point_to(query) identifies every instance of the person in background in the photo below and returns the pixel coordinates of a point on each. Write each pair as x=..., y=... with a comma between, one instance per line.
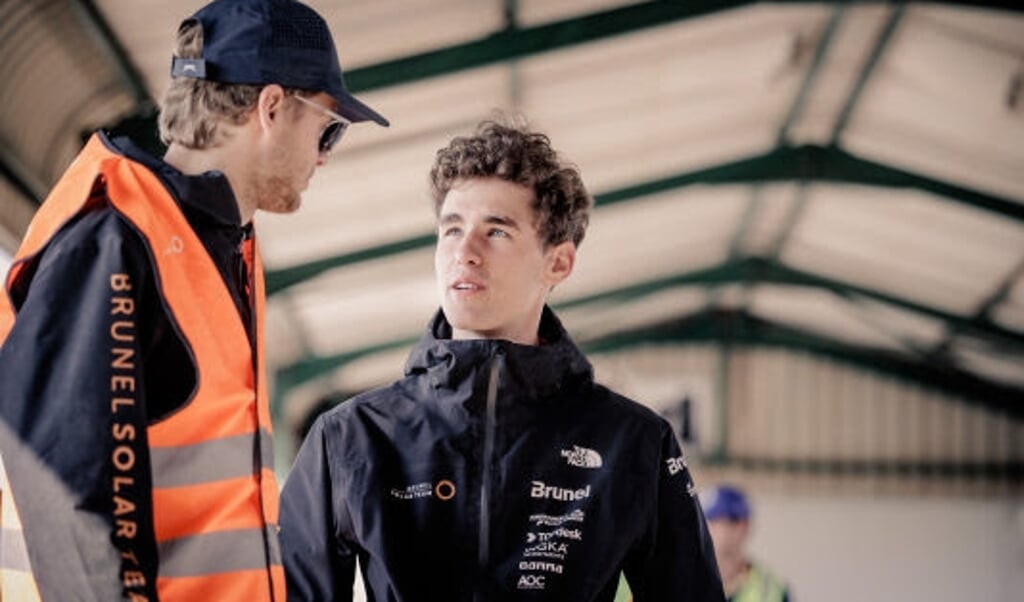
x=728, y=514
x=496, y=469
x=134, y=425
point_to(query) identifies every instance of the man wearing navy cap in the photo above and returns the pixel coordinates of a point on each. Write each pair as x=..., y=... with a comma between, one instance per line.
x=135, y=435
x=728, y=514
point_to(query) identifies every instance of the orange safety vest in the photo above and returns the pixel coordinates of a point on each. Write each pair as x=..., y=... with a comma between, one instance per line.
x=215, y=496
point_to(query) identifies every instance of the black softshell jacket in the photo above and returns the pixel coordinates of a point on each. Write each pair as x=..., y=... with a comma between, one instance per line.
x=494, y=471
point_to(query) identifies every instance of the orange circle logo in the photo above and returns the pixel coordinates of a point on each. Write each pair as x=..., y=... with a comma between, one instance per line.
x=444, y=490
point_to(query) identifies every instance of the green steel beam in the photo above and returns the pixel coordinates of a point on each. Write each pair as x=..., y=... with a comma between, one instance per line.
x=812, y=74
x=738, y=328
x=876, y=52
x=761, y=271
x=314, y=367
x=865, y=75
x=512, y=44
x=782, y=140
x=804, y=163
x=815, y=163
x=789, y=221
x=279, y=280
x=984, y=311
x=1001, y=292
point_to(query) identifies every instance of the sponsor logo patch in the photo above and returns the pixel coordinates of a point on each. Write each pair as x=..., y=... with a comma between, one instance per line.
x=582, y=457
x=542, y=491
x=560, y=533
x=675, y=465
x=443, y=490
x=547, y=520
x=531, y=582
x=540, y=565
x=547, y=549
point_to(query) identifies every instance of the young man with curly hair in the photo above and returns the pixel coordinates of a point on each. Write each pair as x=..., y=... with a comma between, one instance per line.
x=496, y=469
x=134, y=424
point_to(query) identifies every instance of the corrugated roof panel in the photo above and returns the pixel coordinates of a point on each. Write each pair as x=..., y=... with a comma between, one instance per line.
x=372, y=302
x=58, y=82
x=146, y=29
x=823, y=313
x=906, y=243
x=655, y=236
x=937, y=105
x=536, y=12
x=776, y=206
x=600, y=319
x=695, y=103
x=372, y=31
x=847, y=56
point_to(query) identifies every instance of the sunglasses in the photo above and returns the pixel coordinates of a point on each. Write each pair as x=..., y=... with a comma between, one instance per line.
x=333, y=131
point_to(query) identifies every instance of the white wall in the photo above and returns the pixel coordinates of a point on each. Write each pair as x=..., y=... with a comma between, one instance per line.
x=860, y=549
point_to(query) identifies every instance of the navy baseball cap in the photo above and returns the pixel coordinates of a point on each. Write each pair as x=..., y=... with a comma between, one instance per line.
x=725, y=501
x=280, y=42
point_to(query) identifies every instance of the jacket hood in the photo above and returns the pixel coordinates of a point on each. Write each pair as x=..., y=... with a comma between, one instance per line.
x=535, y=372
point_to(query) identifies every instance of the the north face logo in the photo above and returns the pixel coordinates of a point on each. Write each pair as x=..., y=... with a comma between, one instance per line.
x=582, y=457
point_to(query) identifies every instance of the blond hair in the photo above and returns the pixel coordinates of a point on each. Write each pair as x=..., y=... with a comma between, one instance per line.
x=194, y=109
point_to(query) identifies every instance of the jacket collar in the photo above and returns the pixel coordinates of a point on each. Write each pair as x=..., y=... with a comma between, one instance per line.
x=532, y=372
x=206, y=197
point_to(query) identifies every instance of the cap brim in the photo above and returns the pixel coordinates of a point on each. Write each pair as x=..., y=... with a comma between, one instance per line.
x=356, y=110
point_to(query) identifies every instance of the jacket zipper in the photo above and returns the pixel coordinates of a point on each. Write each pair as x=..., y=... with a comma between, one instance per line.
x=483, y=555
x=248, y=268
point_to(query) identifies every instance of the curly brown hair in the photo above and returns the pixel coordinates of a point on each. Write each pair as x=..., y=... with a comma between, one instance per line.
x=512, y=152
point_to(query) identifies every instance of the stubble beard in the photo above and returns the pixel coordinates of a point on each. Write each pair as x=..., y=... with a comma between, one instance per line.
x=276, y=194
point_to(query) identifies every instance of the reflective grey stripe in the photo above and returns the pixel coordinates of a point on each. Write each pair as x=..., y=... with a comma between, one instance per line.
x=13, y=553
x=220, y=552
x=214, y=460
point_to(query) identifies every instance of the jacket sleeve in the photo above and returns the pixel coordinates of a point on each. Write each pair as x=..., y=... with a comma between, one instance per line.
x=72, y=414
x=319, y=563
x=676, y=560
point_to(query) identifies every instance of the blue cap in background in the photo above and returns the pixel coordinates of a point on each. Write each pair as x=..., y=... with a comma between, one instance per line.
x=725, y=501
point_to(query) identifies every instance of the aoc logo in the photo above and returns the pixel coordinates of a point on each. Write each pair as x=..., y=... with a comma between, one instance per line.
x=531, y=582
x=563, y=494
x=582, y=457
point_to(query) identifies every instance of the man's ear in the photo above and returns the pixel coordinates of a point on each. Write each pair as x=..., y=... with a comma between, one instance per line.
x=270, y=105
x=561, y=259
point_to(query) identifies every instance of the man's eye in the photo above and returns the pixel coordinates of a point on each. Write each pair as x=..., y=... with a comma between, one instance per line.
x=451, y=232
x=498, y=233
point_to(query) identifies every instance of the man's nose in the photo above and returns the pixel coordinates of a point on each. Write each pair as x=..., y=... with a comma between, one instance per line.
x=468, y=250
